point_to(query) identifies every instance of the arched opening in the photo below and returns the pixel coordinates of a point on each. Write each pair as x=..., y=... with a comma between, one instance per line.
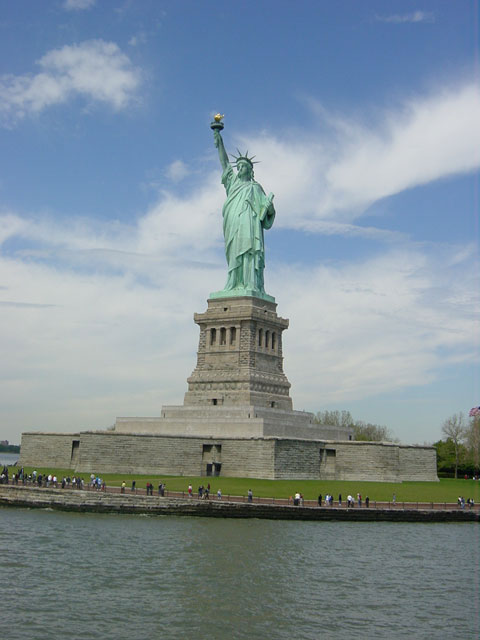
x=233, y=335
x=223, y=336
x=213, y=336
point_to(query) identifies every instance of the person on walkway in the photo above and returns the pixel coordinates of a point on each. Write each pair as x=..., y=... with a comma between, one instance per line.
x=339, y=499
x=124, y=484
x=367, y=502
x=219, y=494
x=250, y=495
x=394, y=499
x=190, y=490
x=320, y=500
x=134, y=486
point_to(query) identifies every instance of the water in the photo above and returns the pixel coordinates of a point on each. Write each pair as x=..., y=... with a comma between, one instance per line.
x=8, y=458
x=107, y=577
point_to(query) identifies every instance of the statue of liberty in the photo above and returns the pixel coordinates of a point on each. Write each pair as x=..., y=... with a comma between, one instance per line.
x=247, y=211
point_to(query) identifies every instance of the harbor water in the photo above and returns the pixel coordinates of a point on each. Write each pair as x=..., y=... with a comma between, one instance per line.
x=8, y=458
x=108, y=577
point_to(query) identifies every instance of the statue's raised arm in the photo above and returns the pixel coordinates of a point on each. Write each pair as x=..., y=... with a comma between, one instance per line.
x=222, y=154
x=247, y=211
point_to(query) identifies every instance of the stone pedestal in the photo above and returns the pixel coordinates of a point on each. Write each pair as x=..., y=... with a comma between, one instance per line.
x=239, y=359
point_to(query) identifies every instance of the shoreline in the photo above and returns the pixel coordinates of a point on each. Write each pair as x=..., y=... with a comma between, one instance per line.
x=82, y=501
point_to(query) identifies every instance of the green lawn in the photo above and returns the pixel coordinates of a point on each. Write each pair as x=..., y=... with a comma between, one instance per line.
x=447, y=490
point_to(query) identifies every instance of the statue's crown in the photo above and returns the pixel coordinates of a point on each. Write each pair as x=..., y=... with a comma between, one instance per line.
x=243, y=157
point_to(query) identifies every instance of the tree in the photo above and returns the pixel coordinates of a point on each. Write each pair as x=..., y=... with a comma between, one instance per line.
x=472, y=441
x=365, y=431
x=446, y=456
x=371, y=432
x=335, y=418
x=454, y=428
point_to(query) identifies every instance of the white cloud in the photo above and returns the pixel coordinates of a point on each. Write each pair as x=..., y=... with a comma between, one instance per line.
x=78, y=5
x=95, y=69
x=97, y=320
x=338, y=177
x=415, y=16
x=10, y=225
x=371, y=326
x=90, y=333
x=140, y=38
x=177, y=171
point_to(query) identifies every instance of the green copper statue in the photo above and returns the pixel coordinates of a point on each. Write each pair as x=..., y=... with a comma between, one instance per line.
x=246, y=213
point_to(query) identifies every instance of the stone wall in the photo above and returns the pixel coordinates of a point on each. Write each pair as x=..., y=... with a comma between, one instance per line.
x=367, y=461
x=271, y=458
x=99, y=502
x=384, y=462
x=47, y=449
x=417, y=463
x=297, y=459
x=111, y=452
x=248, y=458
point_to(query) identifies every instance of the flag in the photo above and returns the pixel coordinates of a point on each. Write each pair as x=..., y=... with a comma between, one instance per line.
x=474, y=412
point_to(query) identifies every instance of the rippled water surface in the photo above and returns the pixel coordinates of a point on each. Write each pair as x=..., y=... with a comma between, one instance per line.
x=128, y=577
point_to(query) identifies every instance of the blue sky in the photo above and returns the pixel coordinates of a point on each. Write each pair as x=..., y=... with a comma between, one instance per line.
x=366, y=119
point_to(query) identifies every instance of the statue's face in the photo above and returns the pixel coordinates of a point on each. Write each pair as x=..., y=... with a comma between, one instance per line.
x=244, y=171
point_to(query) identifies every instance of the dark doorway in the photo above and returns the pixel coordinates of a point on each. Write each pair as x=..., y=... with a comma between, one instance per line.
x=75, y=453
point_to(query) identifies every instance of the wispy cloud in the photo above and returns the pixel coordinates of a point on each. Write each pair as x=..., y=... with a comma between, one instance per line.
x=177, y=171
x=415, y=16
x=95, y=69
x=396, y=312
x=78, y=5
x=138, y=39
x=339, y=176
x=408, y=310
x=100, y=294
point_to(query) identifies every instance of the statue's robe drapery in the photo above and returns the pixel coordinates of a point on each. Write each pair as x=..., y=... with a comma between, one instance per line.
x=245, y=216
